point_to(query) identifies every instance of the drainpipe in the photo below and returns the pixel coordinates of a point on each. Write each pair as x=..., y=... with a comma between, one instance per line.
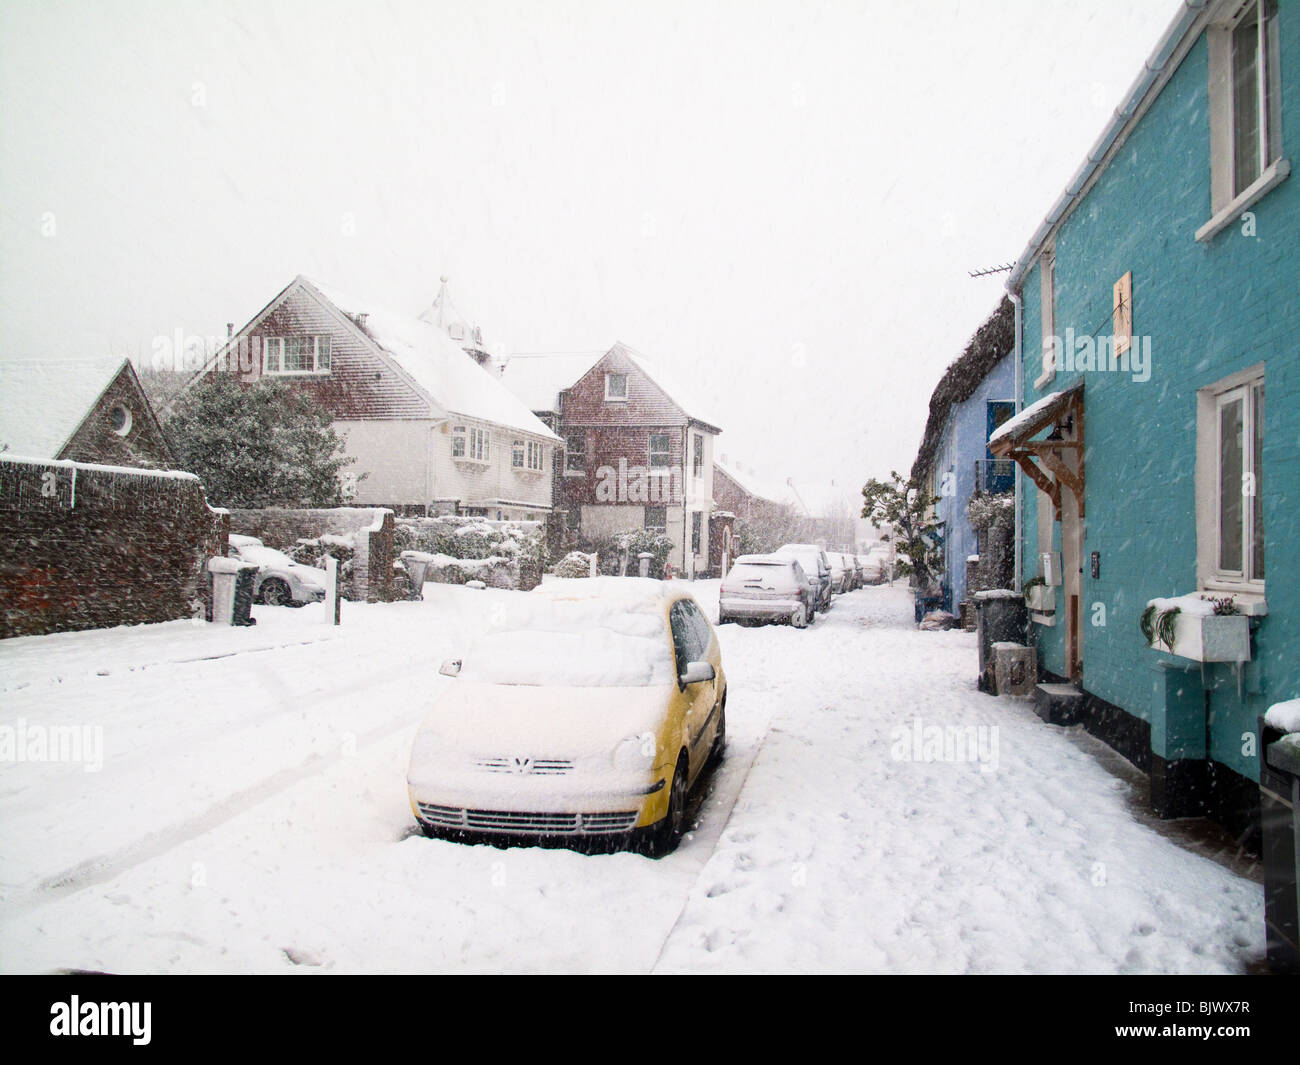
x=1019, y=305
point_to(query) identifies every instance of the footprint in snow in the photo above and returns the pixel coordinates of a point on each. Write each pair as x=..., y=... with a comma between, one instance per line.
x=301, y=957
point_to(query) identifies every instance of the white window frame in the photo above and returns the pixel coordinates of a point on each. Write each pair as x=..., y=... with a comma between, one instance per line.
x=273, y=348
x=614, y=397
x=1209, y=503
x=1228, y=202
x=480, y=444
x=459, y=442
x=697, y=455
x=527, y=456
x=1047, y=315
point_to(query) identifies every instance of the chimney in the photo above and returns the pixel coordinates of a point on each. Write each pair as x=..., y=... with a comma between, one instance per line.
x=360, y=318
x=230, y=330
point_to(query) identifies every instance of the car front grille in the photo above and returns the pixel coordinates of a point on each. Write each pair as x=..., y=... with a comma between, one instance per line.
x=527, y=823
x=547, y=767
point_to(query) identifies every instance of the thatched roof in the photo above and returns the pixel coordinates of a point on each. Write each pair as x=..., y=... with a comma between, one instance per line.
x=991, y=342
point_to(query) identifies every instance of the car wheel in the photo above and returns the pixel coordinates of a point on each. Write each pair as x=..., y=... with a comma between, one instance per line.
x=719, y=749
x=665, y=836
x=799, y=619
x=276, y=593
x=722, y=618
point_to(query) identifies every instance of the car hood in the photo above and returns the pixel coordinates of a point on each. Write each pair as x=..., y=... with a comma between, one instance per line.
x=557, y=722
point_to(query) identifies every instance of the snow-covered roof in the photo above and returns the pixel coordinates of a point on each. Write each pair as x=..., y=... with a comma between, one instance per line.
x=433, y=362
x=44, y=401
x=759, y=487
x=538, y=379
x=445, y=315
x=680, y=392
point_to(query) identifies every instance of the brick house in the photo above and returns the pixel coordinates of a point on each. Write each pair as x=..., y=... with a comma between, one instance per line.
x=638, y=453
x=1158, y=301
x=82, y=410
x=95, y=528
x=431, y=428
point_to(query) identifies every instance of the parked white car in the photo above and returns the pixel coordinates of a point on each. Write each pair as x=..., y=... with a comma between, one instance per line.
x=280, y=580
x=815, y=565
x=841, y=572
x=767, y=588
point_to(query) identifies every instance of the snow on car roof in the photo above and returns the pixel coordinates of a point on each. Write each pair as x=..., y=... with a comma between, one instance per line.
x=583, y=632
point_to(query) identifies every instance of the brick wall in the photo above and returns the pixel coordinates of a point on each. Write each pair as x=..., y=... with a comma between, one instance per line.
x=84, y=547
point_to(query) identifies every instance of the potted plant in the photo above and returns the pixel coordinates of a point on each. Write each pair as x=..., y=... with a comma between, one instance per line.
x=1040, y=597
x=1201, y=628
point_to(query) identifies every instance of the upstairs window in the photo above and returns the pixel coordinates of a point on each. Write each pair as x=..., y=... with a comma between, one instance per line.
x=1047, y=317
x=660, y=451
x=698, y=461
x=479, y=444
x=470, y=443
x=527, y=456
x=575, y=453
x=1245, y=96
x=1256, y=94
x=296, y=355
x=615, y=387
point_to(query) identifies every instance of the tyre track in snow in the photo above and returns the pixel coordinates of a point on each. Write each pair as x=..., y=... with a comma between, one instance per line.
x=105, y=867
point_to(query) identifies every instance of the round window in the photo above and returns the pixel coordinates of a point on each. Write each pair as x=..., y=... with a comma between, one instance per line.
x=120, y=419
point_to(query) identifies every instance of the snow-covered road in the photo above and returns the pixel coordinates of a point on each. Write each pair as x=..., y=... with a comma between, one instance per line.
x=250, y=815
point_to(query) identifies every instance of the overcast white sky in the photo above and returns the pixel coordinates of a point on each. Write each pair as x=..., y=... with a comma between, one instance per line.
x=779, y=200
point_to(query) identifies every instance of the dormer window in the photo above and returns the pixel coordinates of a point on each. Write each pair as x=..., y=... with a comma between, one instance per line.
x=616, y=388
x=296, y=355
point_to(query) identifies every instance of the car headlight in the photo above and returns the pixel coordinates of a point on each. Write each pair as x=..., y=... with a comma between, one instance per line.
x=636, y=752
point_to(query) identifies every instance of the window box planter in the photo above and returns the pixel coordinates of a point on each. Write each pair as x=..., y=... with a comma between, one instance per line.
x=1189, y=628
x=1041, y=598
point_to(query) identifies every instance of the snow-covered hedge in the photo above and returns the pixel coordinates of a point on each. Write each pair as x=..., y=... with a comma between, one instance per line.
x=611, y=550
x=574, y=564
x=502, y=554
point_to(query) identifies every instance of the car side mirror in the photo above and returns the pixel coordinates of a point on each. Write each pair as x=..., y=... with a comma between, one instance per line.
x=450, y=668
x=696, y=672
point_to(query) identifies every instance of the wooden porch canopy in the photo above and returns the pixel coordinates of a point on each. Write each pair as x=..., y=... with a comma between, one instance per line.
x=1043, y=460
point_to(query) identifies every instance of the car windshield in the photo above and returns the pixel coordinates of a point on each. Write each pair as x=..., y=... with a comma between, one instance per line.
x=574, y=644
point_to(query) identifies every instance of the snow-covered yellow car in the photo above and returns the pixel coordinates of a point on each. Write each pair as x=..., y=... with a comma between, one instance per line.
x=589, y=708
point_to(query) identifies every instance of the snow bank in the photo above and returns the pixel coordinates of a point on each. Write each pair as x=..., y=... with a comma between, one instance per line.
x=1284, y=716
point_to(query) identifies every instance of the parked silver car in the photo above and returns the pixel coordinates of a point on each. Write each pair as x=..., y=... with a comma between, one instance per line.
x=767, y=588
x=816, y=567
x=280, y=580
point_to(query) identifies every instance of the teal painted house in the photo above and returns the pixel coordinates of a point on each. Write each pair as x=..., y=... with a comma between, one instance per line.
x=1158, y=364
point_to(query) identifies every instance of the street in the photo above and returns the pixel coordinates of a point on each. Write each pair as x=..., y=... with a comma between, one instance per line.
x=250, y=815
